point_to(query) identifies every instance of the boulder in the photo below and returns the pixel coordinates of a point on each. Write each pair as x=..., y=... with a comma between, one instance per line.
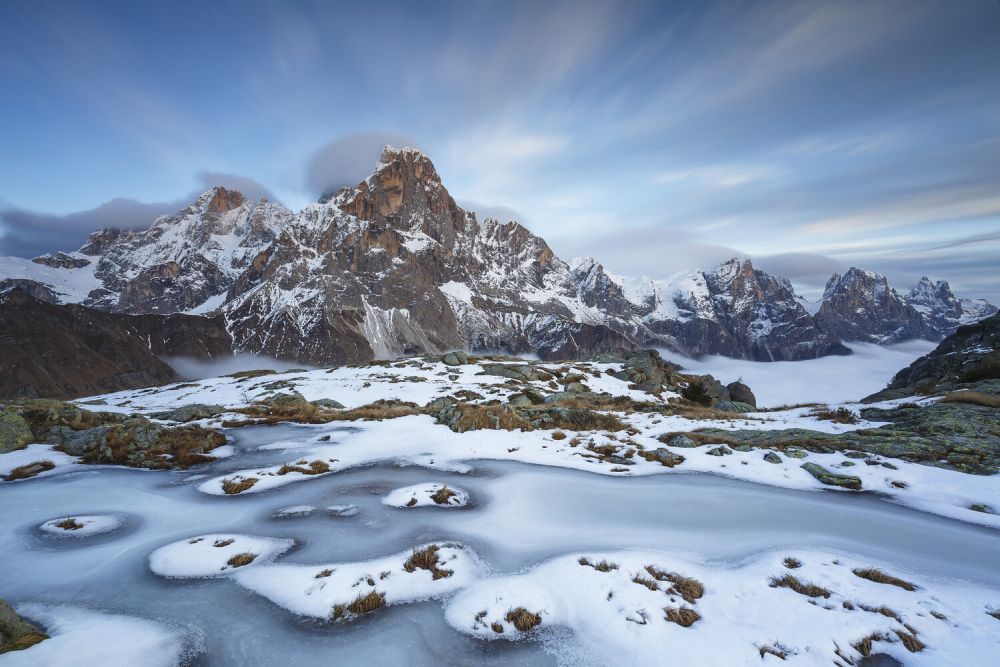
x=190, y=412
x=832, y=479
x=14, y=432
x=677, y=440
x=741, y=393
x=15, y=632
x=734, y=406
x=772, y=457
x=663, y=456
x=456, y=358
x=721, y=450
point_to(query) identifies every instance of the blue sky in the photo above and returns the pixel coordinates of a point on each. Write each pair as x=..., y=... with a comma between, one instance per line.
x=656, y=136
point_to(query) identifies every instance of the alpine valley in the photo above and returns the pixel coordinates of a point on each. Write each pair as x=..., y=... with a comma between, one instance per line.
x=394, y=267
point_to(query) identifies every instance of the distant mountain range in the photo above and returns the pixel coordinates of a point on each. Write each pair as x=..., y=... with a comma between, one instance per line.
x=394, y=266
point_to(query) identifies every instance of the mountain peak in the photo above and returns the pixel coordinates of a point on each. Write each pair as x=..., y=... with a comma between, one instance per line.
x=219, y=200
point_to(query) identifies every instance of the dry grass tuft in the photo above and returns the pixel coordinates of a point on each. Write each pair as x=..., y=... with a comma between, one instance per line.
x=427, y=559
x=28, y=471
x=315, y=468
x=801, y=587
x=232, y=486
x=644, y=581
x=973, y=397
x=864, y=646
x=688, y=588
x=411, y=502
x=910, y=641
x=558, y=435
x=939, y=616
x=497, y=627
x=880, y=577
x=839, y=416
x=69, y=524
x=239, y=560
x=363, y=604
x=443, y=495
x=792, y=563
x=523, y=619
x=682, y=616
x=324, y=573
x=223, y=543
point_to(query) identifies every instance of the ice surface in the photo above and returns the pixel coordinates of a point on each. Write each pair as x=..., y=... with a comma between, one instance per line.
x=82, y=525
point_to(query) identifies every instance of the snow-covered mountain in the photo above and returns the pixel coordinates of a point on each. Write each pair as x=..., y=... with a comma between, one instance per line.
x=394, y=266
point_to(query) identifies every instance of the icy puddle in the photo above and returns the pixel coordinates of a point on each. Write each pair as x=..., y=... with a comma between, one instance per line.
x=544, y=566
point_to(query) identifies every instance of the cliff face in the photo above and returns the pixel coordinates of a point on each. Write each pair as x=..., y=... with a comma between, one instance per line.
x=67, y=351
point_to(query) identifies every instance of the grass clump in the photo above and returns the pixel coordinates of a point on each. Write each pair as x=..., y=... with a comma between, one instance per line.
x=522, y=619
x=687, y=587
x=880, y=577
x=910, y=641
x=239, y=560
x=69, y=524
x=603, y=566
x=839, y=416
x=223, y=543
x=323, y=573
x=776, y=649
x=800, y=587
x=314, y=468
x=443, y=495
x=558, y=435
x=864, y=645
x=497, y=627
x=233, y=485
x=363, y=604
x=973, y=397
x=29, y=470
x=645, y=581
x=792, y=563
x=427, y=559
x=682, y=616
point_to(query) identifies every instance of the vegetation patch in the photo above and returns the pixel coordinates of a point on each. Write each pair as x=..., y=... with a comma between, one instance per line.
x=645, y=581
x=801, y=587
x=775, y=649
x=864, y=645
x=29, y=470
x=427, y=559
x=322, y=574
x=973, y=398
x=792, y=563
x=910, y=641
x=683, y=616
x=316, y=467
x=687, y=587
x=880, y=577
x=223, y=543
x=363, y=604
x=523, y=619
x=69, y=524
x=995, y=613
x=839, y=416
x=233, y=485
x=603, y=566
x=239, y=560
x=443, y=495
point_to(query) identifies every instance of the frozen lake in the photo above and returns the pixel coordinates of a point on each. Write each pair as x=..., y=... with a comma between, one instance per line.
x=518, y=516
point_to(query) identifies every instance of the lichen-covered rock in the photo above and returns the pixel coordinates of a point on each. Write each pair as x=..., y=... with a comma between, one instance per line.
x=677, y=440
x=190, y=412
x=721, y=450
x=663, y=456
x=14, y=431
x=741, y=393
x=456, y=358
x=771, y=457
x=832, y=479
x=16, y=633
x=733, y=406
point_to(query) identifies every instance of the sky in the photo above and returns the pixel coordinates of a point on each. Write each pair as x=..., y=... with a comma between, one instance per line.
x=658, y=137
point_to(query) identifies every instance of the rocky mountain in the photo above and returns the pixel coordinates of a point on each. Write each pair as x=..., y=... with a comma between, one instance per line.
x=394, y=266
x=967, y=359
x=67, y=351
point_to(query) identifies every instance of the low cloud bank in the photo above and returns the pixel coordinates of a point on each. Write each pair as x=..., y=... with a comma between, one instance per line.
x=199, y=369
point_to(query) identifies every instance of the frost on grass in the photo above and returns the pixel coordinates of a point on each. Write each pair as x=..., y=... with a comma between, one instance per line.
x=427, y=495
x=215, y=555
x=645, y=609
x=345, y=591
x=82, y=525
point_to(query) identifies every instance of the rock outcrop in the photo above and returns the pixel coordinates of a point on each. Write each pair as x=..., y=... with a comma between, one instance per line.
x=861, y=306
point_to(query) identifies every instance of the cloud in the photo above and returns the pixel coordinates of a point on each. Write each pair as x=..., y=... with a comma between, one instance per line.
x=349, y=159
x=250, y=188
x=31, y=233
x=497, y=212
x=800, y=267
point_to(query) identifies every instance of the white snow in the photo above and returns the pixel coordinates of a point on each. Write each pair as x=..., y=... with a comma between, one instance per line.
x=314, y=590
x=84, y=637
x=88, y=525
x=36, y=453
x=419, y=495
x=209, y=555
x=615, y=620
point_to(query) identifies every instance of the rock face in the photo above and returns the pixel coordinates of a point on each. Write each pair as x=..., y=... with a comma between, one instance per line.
x=942, y=312
x=969, y=356
x=67, y=351
x=393, y=266
x=860, y=306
